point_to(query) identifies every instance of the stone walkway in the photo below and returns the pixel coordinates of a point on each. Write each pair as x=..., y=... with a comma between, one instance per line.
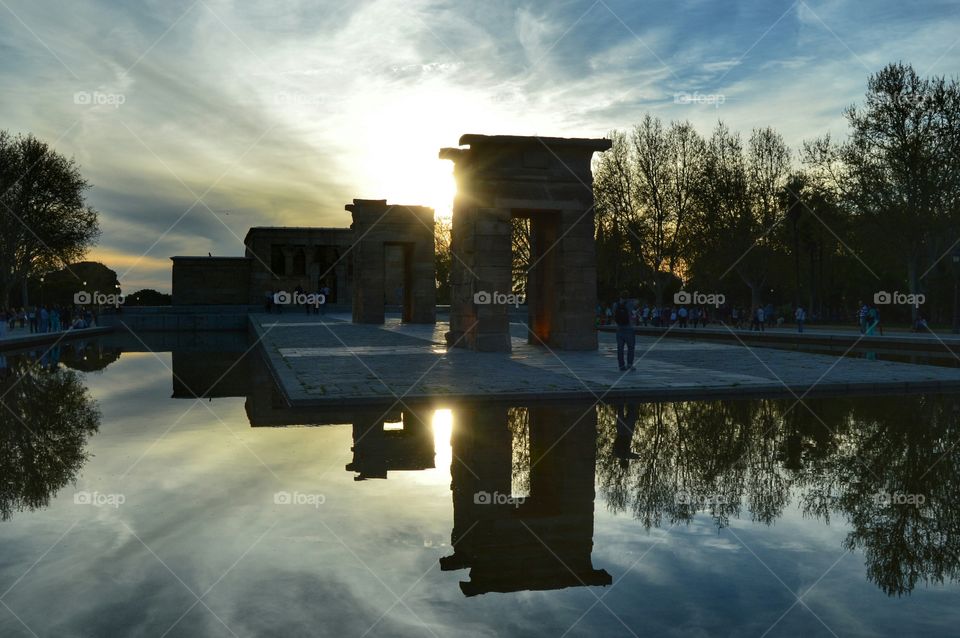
x=320, y=362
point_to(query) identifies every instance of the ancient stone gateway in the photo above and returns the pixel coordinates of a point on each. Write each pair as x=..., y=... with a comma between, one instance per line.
x=393, y=257
x=548, y=181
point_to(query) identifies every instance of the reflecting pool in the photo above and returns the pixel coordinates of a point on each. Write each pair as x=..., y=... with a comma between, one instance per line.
x=175, y=494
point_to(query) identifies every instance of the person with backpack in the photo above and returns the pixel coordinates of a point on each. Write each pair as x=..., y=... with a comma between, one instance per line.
x=623, y=309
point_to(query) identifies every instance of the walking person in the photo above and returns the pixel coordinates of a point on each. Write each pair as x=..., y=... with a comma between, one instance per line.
x=801, y=316
x=625, y=333
x=862, y=316
x=682, y=314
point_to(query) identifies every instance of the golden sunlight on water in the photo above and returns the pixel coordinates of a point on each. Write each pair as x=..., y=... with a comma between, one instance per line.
x=442, y=428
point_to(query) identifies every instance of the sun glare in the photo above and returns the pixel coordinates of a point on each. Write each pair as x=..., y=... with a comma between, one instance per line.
x=442, y=429
x=405, y=132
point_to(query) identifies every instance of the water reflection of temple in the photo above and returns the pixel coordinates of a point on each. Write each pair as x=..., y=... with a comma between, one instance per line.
x=393, y=441
x=740, y=458
x=540, y=540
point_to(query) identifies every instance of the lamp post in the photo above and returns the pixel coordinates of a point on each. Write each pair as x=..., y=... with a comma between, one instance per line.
x=41, y=290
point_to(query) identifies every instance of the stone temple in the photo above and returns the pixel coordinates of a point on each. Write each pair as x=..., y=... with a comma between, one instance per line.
x=547, y=180
x=385, y=258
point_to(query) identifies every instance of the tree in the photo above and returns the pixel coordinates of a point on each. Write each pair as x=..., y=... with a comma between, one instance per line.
x=615, y=204
x=46, y=224
x=739, y=204
x=899, y=170
x=60, y=286
x=442, y=258
x=147, y=297
x=669, y=167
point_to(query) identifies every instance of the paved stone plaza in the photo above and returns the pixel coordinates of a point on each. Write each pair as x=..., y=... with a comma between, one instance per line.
x=328, y=360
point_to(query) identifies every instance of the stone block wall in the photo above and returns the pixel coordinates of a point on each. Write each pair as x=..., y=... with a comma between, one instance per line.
x=548, y=180
x=379, y=227
x=211, y=281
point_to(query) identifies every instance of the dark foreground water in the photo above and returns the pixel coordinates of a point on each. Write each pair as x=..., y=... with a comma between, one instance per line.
x=130, y=508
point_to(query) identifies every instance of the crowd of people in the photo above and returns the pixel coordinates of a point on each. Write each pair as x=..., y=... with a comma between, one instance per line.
x=46, y=318
x=757, y=319
x=682, y=316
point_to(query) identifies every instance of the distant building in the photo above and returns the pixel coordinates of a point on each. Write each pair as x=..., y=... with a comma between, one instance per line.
x=386, y=258
x=275, y=259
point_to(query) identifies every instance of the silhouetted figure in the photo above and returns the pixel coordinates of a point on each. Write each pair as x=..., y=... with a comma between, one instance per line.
x=626, y=425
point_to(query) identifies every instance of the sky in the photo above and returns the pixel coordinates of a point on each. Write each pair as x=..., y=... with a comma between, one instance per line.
x=196, y=119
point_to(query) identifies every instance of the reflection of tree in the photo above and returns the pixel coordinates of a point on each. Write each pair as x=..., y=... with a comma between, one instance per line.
x=695, y=455
x=88, y=356
x=730, y=459
x=46, y=417
x=520, y=249
x=897, y=448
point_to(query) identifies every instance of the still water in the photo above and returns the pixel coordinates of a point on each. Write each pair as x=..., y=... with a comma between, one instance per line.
x=132, y=508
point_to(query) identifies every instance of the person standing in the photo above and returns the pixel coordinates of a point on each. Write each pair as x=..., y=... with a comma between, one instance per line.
x=862, y=316
x=682, y=314
x=801, y=316
x=626, y=336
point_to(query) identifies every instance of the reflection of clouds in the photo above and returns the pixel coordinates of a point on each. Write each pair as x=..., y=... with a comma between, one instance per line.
x=200, y=499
